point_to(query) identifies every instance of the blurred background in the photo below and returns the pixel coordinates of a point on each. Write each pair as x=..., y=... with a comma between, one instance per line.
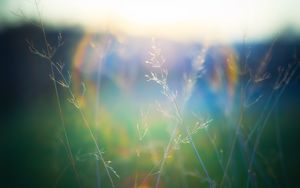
x=230, y=63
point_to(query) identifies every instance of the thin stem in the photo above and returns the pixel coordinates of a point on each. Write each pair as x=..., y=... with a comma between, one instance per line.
x=166, y=152
x=238, y=127
x=70, y=153
x=48, y=57
x=267, y=118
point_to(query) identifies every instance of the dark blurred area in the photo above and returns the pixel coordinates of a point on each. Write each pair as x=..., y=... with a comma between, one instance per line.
x=30, y=118
x=27, y=101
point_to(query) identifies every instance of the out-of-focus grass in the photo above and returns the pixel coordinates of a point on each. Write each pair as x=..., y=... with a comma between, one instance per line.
x=35, y=146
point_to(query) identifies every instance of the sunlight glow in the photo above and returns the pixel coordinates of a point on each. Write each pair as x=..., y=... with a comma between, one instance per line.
x=190, y=19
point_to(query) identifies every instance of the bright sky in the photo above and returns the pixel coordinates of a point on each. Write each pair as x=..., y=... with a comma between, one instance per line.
x=188, y=19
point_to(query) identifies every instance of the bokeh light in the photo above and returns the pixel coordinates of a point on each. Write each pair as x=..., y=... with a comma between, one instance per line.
x=150, y=93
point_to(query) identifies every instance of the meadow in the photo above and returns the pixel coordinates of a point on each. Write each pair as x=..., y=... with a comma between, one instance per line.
x=85, y=109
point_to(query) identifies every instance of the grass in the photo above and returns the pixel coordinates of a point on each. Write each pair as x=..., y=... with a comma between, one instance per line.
x=174, y=144
x=64, y=82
